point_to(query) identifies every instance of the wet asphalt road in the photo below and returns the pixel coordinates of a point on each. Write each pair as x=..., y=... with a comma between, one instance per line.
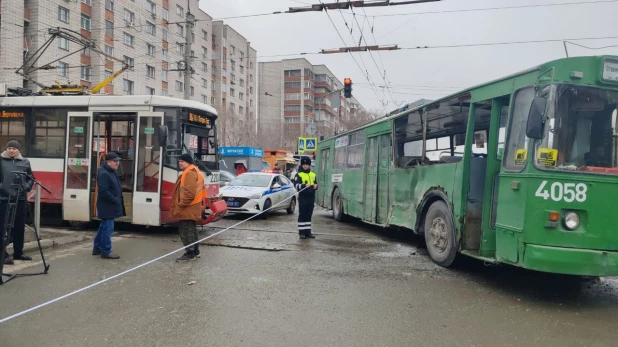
x=354, y=285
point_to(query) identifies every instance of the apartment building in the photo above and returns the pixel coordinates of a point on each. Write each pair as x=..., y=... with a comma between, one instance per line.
x=149, y=35
x=295, y=94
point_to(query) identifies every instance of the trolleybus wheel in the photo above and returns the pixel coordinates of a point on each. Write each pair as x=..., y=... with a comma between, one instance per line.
x=292, y=208
x=267, y=205
x=440, y=234
x=337, y=204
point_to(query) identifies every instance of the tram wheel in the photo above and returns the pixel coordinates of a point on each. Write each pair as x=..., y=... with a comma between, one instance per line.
x=440, y=234
x=337, y=204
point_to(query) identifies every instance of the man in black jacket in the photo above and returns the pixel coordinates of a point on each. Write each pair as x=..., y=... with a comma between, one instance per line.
x=110, y=205
x=305, y=179
x=12, y=160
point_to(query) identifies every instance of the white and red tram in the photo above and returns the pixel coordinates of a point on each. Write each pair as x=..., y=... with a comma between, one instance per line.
x=66, y=137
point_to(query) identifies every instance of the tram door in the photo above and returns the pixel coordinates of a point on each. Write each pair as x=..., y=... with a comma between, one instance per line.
x=77, y=183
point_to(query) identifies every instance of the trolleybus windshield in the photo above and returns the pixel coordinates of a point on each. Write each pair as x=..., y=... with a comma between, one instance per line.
x=581, y=131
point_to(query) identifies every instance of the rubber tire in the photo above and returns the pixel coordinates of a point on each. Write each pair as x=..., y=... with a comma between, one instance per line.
x=337, y=210
x=292, y=207
x=267, y=204
x=447, y=257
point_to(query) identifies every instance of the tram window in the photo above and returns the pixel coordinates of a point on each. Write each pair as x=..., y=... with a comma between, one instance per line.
x=13, y=127
x=49, y=129
x=173, y=148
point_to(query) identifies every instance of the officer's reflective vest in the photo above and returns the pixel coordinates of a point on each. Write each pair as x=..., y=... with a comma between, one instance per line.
x=200, y=186
x=307, y=178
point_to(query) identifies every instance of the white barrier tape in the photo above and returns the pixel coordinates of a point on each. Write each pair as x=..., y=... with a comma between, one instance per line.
x=136, y=267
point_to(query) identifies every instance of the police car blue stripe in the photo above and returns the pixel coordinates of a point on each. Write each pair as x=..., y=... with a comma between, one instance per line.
x=271, y=191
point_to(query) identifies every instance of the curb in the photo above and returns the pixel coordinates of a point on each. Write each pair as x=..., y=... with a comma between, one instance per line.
x=49, y=243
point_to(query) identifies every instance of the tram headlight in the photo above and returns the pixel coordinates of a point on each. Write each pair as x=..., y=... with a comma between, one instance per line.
x=571, y=220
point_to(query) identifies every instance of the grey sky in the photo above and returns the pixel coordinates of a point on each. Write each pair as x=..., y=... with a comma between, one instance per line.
x=429, y=73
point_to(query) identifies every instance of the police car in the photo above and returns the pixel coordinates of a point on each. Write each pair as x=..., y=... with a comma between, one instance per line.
x=254, y=192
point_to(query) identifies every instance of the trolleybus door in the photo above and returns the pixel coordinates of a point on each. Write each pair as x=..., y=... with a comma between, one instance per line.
x=77, y=181
x=148, y=158
x=384, y=160
x=371, y=179
x=324, y=178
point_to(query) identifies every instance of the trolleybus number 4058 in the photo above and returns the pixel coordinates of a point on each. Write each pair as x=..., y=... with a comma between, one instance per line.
x=559, y=191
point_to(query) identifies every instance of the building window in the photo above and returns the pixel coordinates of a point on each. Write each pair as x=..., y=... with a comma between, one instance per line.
x=128, y=39
x=289, y=73
x=87, y=2
x=251, y=102
x=242, y=69
x=63, y=14
x=163, y=92
x=127, y=86
x=232, y=92
x=214, y=38
x=107, y=74
x=180, y=30
x=233, y=63
x=292, y=96
x=86, y=51
x=150, y=91
x=241, y=96
x=224, y=58
x=192, y=91
x=242, y=56
x=63, y=43
x=204, y=67
x=232, y=107
x=212, y=100
x=233, y=78
x=241, y=110
x=224, y=42
x=129, y=16
x=129, y=61
x=179, y=86
x=85, y=73
x=204, y=98
x=204, y=52
x=180, y=11
x=180, y=48
x=205, y=35
x=109, y=5
x=250, y=90
x=251, y=78
x=166, y=13
x=204, y=83
x=151, y=50
x=85, y=22
x=151, y=29
x=164, y=75
x=151, y=7
x=150, y=71
x=291, y=108
x=251, y=65
x=292, y=120
x=242, y=82
x=212, y=84
x=164, y=34
x=164, y=54
x=109, y=28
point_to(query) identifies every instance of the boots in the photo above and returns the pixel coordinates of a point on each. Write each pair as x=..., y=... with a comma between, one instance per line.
x=189, y=255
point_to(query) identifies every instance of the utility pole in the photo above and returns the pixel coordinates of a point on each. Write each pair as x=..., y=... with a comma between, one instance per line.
x=321, y=98
x=188, y=69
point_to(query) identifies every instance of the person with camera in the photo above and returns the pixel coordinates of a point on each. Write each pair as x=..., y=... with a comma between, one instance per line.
x=12, y=161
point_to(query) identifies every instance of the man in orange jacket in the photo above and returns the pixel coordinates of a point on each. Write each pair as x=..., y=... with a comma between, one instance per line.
x=187, y=200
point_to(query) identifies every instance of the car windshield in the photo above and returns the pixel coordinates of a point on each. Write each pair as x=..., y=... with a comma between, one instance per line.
x=580, y=133
x=249, y=180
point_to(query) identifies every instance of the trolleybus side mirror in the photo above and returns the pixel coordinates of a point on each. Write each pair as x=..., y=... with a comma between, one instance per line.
x=162, y=138
x=536, y=119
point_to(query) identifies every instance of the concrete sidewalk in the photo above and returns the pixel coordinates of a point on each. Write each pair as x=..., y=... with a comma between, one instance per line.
x=53, y=237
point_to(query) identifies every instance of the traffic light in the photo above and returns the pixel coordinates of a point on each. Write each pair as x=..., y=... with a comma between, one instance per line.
x=347, y=88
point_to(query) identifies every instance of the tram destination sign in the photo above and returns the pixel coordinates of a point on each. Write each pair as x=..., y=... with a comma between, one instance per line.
x=198, y=119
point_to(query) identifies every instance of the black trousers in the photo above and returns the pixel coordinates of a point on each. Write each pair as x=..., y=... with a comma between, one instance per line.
x=305, y=212
x=19, y=226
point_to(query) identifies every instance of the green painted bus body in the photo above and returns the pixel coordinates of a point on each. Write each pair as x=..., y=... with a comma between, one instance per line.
x=506, y=222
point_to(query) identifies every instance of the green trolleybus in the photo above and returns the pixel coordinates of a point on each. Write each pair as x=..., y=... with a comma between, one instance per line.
x=522, y=170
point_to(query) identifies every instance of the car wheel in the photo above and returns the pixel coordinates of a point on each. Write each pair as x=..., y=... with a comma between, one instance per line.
x=440, y=234
x=292, y=207
x=267, y=205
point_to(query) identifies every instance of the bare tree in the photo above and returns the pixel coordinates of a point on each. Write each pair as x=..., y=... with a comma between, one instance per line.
x=236, y=130
x=359, y=119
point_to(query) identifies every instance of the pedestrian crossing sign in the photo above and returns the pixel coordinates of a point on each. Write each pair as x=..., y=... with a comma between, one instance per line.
x=307, y=144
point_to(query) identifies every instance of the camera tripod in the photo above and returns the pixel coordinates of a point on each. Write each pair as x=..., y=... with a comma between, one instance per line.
x=9, y=222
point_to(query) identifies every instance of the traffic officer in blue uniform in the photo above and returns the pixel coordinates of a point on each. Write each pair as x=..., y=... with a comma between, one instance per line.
x=305, y=179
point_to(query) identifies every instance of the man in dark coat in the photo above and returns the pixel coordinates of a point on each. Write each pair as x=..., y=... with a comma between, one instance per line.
x=110, y=205
x=12, y=160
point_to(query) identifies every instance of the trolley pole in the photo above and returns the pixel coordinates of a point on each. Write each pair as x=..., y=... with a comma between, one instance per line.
x=188, y=69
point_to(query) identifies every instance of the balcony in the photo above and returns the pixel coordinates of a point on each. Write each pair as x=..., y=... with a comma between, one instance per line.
x=27, y=14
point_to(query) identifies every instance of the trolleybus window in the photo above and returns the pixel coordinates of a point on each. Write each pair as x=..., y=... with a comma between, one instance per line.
x=356, y=150
x=581, y=133
x=516, y=150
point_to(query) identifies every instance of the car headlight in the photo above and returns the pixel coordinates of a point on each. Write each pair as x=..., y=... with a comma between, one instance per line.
x=571, y=220
x=256, y=196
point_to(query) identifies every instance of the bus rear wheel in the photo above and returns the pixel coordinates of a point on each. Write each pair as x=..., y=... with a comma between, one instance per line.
x=337, y=204
x=440, y=234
